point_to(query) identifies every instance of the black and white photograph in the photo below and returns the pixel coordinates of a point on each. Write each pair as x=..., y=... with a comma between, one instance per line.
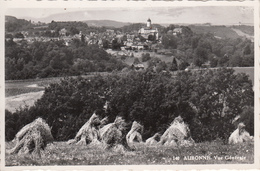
x=130, y=84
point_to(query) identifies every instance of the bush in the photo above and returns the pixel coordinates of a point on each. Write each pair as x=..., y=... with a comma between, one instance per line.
x=146, y=57
x=247, y=117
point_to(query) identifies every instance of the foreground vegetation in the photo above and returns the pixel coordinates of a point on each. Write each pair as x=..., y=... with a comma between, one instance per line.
x=153, y=99
x=59, y=153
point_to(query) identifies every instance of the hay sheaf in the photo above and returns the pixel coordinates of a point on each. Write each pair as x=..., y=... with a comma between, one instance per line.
x=88, y=133
x=32, y=138
x=178, y=134
x=112, y=135
x=103, y=122
x=240, y=135
x=134, y=135
x=154, y=140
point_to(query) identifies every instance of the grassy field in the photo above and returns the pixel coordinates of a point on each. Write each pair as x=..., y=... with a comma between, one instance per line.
x=21, y=93
x=59, y=153
x=18, y=87
x=247, y=70
x=224, y=31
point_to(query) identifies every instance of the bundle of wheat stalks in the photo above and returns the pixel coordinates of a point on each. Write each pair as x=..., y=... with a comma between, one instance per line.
x=240, y=135
x=35, y=136
x=134, y=135
x=153, y=140
x=88, y=133
x=178, y=134
x=112, y=135
x=32, y=138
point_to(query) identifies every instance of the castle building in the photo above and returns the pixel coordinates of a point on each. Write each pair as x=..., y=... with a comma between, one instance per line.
x=149, y=30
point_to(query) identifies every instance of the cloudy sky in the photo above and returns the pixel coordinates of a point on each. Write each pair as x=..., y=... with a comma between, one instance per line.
x=219, y=15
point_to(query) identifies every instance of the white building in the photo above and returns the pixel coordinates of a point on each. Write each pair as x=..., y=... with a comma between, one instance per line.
x=149, y=30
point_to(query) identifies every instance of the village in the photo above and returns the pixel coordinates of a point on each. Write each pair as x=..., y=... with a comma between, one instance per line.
x=146, y=38
x=137, y=43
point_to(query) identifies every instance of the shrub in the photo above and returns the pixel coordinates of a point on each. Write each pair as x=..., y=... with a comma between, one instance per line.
x=146, y=57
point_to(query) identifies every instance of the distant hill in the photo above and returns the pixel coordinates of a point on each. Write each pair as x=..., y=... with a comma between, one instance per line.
x=137, y=26
x=13, y=24
x=10, y=19
x=116, y=24
x=231, y=32
x=105, y=23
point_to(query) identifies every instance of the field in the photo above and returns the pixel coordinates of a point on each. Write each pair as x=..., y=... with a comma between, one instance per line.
x=59, y=153
x=19, y=94
x=233, y=32
x=16, y=87
x=247, y=70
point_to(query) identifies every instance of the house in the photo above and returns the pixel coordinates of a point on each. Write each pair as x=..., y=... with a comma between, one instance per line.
x=63, y=32
x=138, y=67
x=177, y=31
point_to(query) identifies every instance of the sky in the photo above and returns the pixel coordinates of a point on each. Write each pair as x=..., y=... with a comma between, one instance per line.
x=217, y=15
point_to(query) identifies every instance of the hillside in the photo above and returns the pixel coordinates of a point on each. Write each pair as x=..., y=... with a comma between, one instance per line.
x=10, y=19
x=13, y=24
x=105, y=23
x=224, y=31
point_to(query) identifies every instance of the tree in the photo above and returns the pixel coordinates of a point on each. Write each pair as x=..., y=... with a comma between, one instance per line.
x=247, y=50
x=201, y=56
x=19, y=35
x=223, y=61
x=169, y=41
x=174, y=65
x=183, y=65
x=213, y=61
x=73, y=30
x=82, y=38
x=218, y=105
x=235, y=61
x=105, y=44
x=136, y=61
x=247, y=117
x=146, y=57
x=161, y=66
x=115, y=45
x=151, y=37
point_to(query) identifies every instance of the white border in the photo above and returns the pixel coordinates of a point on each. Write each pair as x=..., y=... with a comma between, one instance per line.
x=4, y=5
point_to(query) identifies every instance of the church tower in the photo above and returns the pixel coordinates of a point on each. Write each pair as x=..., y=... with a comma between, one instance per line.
x=149, y=23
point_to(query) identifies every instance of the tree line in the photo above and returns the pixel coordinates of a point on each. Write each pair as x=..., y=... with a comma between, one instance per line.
x=208, y=100
x=54, y=58
x=201, y=48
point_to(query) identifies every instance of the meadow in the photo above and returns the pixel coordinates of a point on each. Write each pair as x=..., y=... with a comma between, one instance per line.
x=59, y=153
x=17, y=87
x=247, y=70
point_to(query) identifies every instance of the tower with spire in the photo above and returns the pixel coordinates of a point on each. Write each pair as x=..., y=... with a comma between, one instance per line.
x=149, y=23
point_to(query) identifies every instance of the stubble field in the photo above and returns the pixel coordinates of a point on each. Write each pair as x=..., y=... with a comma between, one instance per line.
x=59, y=153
